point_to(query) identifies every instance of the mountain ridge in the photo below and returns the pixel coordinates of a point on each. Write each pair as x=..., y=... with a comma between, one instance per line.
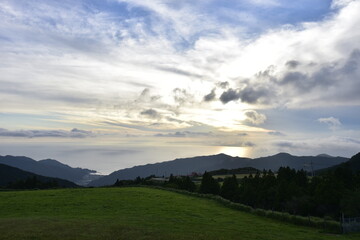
x=48, y=168
x=185, y=166
x=353, y=164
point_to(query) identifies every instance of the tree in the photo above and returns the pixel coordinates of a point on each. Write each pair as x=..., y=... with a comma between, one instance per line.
x=229, y=188
x=209, y=184
x=187, y=184
x=350, y=203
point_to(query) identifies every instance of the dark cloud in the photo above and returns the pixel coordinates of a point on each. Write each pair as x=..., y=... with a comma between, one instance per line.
x=80, y=133
x=247, y=144
x=184, y=134
x=292, y=64
x=101, y=150
x=151, y=113
x=321, y=83
x=252, y=95
x=295, y=78
x=234, y=144
x=321, y=80
x=229, y=95
x=146, y=96
x=242, y=134
x=179, y=71
x=181, y=96
x=247, y=95
x=325, y=77
x=254, y=117
x=133, y=125
x=74, y=133
x=223, y=85
x=352, y=64
x=145, y=92
x=177, y=134
x=286, y=145
x=210, y=97
x=276, y=133
x=131, y=135
x=171, y=119
x=315, y=84
x=136, y=84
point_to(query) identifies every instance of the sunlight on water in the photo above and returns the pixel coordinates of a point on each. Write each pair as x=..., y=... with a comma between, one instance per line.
x=236, y=151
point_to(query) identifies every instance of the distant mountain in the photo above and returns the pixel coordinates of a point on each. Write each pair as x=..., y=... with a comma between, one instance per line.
x=10, y=174
x=297, y=162
x=324, y=155
x=186, y=166
x=353, y=164
x=49, y=168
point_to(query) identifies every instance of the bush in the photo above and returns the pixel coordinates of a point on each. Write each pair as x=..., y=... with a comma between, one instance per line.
x=260, y=212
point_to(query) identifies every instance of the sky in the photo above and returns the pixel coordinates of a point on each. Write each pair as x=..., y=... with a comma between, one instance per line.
x=109, y=84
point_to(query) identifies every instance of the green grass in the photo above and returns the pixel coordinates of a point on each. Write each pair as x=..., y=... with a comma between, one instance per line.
x=134, y=213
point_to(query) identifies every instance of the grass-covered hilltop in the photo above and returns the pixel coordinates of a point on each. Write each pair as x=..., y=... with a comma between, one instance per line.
x=135, y=213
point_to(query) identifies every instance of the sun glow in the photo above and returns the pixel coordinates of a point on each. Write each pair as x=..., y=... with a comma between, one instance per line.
x=236, y=151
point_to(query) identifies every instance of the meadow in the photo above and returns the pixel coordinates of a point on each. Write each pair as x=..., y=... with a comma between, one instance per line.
x=135, y=213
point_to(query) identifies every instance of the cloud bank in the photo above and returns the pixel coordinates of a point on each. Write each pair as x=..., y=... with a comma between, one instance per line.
x=74, y=133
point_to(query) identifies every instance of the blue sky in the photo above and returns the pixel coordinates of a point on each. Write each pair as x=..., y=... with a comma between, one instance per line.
x=116, y=83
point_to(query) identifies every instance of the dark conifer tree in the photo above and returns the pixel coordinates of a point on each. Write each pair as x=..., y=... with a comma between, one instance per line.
x=209, y=184
x=229, y=188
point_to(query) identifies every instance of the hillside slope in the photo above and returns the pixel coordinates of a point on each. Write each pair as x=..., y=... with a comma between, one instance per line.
x=186, y=166
x=48, y=167
x=10, y=174
x=353, y=164
x=135, y=213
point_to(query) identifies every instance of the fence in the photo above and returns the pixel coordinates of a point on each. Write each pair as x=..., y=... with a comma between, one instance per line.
x=350, y=224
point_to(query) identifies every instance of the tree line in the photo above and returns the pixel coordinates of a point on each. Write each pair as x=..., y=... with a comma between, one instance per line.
x=328, y=195
x=294, y=192
x=32, y=183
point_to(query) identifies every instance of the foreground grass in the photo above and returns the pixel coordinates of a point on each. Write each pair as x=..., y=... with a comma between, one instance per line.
x=134, y=213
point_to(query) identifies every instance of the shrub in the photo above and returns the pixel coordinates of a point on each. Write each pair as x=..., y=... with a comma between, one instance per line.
x=260, y=212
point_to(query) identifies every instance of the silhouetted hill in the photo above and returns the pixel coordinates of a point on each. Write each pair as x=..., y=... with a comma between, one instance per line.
x=296, y=162
x=353, y=164
x=49, y=168
x=324, y=155
x=201, y=164
x=10, y=174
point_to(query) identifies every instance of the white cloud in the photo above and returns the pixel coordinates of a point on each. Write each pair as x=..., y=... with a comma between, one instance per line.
x=333, y=123
x=340, y=3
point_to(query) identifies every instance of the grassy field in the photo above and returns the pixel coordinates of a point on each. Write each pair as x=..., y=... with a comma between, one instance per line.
x=134, y=213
